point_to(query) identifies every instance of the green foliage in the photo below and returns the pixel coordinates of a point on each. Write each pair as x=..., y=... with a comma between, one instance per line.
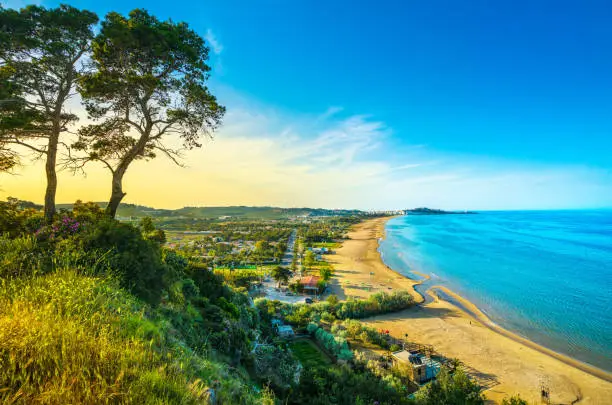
x=42, y=48
x=514, y=400
x=297, y=287
x=325, y=273
x=64, y=327
x=356, y=330
x=332, y=299
x=312, y=328
x=20, y=257
x=136, y=261
x=309, y=259
x=241, y=278
x=276, y=366
x=343, y=386
x=281, y=274
x=309, y=353
x=148, y=82
x=394, y=348
x=334, y=345
x=378, y=303
x=450, y=389
x=301, y=314
x=17, y=218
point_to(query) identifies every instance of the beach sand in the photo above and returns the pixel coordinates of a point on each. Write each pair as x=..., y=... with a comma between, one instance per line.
x=503, y=362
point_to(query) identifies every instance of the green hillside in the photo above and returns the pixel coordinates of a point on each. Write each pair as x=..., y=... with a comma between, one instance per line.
x=243, y=212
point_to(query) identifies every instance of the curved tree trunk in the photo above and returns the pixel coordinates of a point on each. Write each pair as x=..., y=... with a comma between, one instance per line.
x=117, y=193
x=51, y=177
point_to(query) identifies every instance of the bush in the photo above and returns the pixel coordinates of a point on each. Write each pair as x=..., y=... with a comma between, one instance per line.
x=356, y=330
x=135, y=261
x=450, y=389
x=20, y=257
x=18, y=217
x=334, y=345
x=379, y=303
x=297, y=287
x=514, y=400
x=342, y=385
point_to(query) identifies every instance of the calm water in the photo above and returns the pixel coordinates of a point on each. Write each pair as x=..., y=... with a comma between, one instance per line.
x=546, y=275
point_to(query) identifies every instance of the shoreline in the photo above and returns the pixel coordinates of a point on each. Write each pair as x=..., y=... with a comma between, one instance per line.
x=475, y=313
x=471, y=310
x=515, y=364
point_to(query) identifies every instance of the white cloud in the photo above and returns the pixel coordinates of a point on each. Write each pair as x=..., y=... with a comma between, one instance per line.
x=265, y=156
x=215, y=45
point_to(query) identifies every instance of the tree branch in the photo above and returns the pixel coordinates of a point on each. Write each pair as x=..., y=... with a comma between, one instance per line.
x=173, y=155
x=18, y=142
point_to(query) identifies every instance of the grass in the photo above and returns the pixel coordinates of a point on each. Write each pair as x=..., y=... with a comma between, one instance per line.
x=309, y=353
x=329, y=245
x=69, y=338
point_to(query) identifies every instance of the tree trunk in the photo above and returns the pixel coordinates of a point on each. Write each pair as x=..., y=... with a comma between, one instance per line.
x=117, y=193
x=51, y=176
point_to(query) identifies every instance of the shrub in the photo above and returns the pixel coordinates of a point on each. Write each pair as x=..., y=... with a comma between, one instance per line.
x=376, y=304
x=342, y=385
x=451, y=389
x=514, y=400
x=332, y=299
x=297, y=287
x=20, y=256
x=135, y=261
x=17, y=218
x=356, y=330
x=333, y=344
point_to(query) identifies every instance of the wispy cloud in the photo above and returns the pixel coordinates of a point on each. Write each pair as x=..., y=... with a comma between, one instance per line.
x=265, y=156
x=215, y=45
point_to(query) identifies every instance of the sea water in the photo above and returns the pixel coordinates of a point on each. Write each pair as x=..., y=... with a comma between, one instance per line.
x=546, y=275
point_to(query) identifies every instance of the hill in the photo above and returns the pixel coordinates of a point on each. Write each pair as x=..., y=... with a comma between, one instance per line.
x=244, y=212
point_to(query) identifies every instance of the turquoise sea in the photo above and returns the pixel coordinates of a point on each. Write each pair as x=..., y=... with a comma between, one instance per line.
x=546, y=275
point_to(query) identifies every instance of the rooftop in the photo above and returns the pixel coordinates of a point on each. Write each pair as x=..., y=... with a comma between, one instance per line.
x=310, y=281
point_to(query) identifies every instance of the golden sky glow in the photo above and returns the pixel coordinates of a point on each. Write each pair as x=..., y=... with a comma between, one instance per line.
x=264, y=157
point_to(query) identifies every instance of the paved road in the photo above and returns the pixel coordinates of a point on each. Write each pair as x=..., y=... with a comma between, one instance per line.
x=270, y=285
x=288, y=257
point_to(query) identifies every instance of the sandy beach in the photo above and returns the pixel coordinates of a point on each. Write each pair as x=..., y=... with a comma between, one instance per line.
x=507, y=363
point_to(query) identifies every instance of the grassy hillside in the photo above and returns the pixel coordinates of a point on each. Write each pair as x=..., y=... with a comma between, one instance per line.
x=70, y=338
x=94, y=310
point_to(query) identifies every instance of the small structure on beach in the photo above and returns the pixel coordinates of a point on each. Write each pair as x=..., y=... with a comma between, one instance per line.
x=421, y=367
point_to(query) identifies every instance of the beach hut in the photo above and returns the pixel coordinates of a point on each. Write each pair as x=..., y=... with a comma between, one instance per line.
x=421, y=368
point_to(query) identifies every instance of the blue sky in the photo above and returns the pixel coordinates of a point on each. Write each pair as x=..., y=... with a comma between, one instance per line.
x=479, y=104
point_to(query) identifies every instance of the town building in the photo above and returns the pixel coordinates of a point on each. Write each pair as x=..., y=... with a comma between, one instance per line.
x=311, y=284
